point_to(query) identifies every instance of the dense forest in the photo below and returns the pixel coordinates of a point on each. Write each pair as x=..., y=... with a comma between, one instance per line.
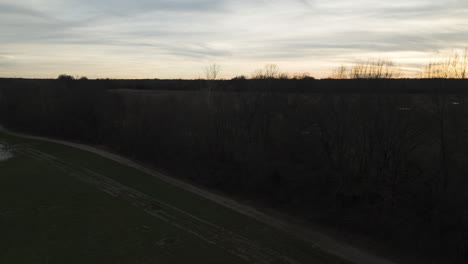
x=383, y=157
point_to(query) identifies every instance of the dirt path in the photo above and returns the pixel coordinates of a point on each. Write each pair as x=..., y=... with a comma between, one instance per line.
x=320, y=239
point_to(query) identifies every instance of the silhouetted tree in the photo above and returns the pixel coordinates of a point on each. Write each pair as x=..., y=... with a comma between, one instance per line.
x=341, y=72
x=367, y=69
x=453, y=67
x=65, y=77
x=374, y=69
x=212, y=72
x=269, y=71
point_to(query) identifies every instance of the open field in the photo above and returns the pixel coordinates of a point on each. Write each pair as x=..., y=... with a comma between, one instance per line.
x=84, y=208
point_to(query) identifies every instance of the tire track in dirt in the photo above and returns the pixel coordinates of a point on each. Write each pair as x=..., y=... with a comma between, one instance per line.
x=209, y=232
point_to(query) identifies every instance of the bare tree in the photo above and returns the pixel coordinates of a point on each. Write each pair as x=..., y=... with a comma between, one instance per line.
x=374, y=69
x=453, y=67
x=212, y=72
x=269, y=71
x=340, y=73
x=367, y=69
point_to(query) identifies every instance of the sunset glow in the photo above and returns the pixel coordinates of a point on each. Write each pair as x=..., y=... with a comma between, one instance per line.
x=177, y=39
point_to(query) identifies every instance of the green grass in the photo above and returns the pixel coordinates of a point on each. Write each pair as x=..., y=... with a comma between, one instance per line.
x=47, y=216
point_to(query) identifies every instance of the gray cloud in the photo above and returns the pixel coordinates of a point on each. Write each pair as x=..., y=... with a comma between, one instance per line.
x=248, y=32
x=14, y=10
x=126, y=8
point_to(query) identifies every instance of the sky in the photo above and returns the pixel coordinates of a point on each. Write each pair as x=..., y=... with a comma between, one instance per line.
x=179, y=38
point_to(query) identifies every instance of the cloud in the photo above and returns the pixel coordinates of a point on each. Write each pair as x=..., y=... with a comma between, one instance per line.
x=6, y=60
x=15, y=10
x=128, y=8
x=237, y=32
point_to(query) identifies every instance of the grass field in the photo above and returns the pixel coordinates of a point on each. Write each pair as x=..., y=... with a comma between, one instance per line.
x=63, y=205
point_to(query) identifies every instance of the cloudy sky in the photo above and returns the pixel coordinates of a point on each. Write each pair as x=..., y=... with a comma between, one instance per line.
x=178, y=38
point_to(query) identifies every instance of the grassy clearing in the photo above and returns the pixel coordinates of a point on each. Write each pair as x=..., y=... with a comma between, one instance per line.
x=47, y=216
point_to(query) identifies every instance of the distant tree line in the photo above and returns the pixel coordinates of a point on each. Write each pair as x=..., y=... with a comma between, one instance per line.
x=369, y=69
x=387, y=158
x=455, y=66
